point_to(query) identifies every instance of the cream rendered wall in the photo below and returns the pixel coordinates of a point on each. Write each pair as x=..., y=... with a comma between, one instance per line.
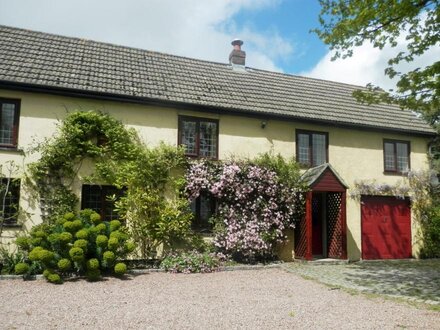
x=355, y=154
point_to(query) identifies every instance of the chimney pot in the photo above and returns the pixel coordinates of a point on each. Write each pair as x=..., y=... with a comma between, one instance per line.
x=237, y=56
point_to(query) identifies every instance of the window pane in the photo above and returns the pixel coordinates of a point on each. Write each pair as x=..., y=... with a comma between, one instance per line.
x=390, y=163
x=98, y=198
x=208, y=139
x=402, y=157
x=188, y=138
x=11, y=200
x=91, y=198
x=303, y=149
x=319, y=149
x=109, y=202
x=7, y=124
x=203, y=208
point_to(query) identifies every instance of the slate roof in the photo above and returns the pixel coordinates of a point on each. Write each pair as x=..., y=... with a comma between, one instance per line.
x=314, y=173
x=55, y=62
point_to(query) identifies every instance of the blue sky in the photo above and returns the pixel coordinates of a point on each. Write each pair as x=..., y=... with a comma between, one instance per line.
x=293, y=20
x=276, y=33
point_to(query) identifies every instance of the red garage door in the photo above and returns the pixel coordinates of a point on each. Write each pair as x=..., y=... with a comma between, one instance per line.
x=386, y=228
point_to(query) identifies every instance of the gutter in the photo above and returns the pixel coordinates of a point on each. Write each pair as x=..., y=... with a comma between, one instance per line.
x=71, y=92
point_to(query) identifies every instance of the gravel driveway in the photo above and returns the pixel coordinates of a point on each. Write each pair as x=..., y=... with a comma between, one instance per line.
x=257, y=299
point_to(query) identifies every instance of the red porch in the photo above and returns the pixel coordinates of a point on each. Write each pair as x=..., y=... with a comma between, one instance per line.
x=322, y=233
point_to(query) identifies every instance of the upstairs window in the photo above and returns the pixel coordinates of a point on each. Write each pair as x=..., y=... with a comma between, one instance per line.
x=10, y=194
x=203, y=208
x=100, y=199
x=311, y=148
x=199, y=136
x=396, y=156
x=9, y=115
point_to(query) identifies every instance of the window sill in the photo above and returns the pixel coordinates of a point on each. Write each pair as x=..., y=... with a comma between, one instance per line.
x=201, y=157
x=12, y=226
x=12, y=149
x=395, y=173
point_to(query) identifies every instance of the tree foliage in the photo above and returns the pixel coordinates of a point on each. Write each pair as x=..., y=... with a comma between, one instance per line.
x=346, y=24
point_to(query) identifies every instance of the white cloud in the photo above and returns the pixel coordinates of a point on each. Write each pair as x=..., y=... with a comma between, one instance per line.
x=367, y=65
x=193, y=28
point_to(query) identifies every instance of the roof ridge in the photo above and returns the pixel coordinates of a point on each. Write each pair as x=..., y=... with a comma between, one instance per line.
x=284, y=74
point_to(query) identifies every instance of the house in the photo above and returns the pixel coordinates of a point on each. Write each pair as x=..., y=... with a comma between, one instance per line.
x=217, y=110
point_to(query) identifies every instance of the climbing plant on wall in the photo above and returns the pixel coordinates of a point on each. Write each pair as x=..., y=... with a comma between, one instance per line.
x=119, y=159
x=257, y=201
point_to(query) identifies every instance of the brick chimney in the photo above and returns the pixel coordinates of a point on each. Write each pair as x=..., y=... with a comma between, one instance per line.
x=237, y=56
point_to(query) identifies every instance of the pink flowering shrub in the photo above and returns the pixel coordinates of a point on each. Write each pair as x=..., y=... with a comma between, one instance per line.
x=255, y=205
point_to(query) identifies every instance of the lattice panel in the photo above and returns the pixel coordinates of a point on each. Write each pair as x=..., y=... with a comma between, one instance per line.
x=301, y=238
x=334, y=225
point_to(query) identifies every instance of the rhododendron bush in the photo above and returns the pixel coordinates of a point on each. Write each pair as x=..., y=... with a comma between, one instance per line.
x=256, y=203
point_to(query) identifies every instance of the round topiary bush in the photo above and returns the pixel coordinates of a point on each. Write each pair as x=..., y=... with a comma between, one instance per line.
x=108, y=257
x=101, y=241
x=65, y=237
x=129, y=247
x=34, y=255
x=93, y=275
x=46, y=256
x=64, y=265
x=82, y=234
x=54, y=238
x=115, y=225
x=120, y=268
x=77, y=254
x=69, y=226
x=92, y=264
x=39, y=234
x=77, y=224
x=69, y=216
x=21, y=268
x=113, y=244
x=54, y=278
x=81, y=243
x=95, y=218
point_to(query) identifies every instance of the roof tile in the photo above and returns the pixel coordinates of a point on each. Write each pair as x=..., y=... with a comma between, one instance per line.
x=62, y=62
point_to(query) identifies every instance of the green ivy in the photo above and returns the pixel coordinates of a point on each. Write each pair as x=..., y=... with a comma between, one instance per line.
x=120, y=159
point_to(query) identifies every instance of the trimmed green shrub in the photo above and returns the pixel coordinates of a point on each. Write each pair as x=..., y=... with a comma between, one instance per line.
x=65, y=237
x=69, y=216
x=95, y=218
x=23, y=242
x=45, y=256
x=94, y=251
x=93, y=264
x=129, y=247
x=113, y=243
x=21, y=268
x=77, y=254
x=34, y=255
x=81, y=243
x=120, y=268
x=101, y=241
x=82, y=234
x=54, y=278
x=93, y=275
x=64, y=265
x=115, y=225
x=108, y=257
x=69, y=226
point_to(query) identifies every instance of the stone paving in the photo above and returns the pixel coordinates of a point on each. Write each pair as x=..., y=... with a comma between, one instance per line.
x=414, y=280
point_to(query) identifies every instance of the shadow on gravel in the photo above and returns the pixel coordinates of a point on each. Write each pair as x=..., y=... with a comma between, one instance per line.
x=412, y=278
